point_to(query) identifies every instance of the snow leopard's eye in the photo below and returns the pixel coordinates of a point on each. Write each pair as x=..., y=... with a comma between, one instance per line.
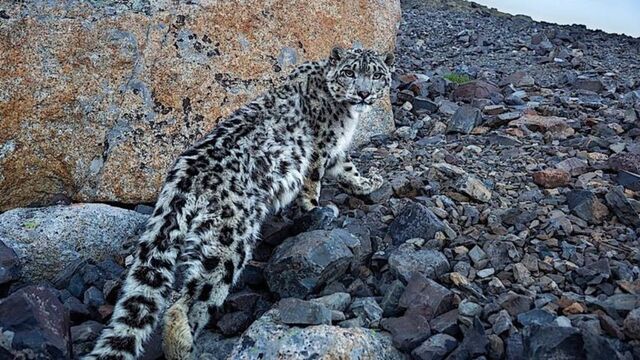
x=348, y=73
x=378, y=76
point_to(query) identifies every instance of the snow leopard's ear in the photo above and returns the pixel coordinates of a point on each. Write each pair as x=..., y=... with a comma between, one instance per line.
x=337, y=54
x=389, y=59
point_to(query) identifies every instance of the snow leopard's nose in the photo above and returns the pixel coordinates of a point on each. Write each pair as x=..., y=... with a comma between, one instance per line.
x=363, y=94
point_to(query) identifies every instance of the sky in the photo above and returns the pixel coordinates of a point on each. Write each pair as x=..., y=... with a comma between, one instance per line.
x=613, y=16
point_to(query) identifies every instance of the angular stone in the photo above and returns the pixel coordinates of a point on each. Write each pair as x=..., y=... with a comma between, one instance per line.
x=625, y=162
x=77, y=310
x=234, y=323
x=446, y=323
x=367, y=309
x=551, y=178
x=574, y=166
x=502, y=322
x=210, y=346
x=632, y=324
x=476, y=89
x=435, y=348
x=501, y=253
x=593, y=274
x=407, y=331
x=268, y=339
x=555, y=342
x=391, y=299
x=151, y=71
x=535, y=317
x=47, y=239
x=556, y=126
x=84, y=336
x=422, y=291
x=299, y=312
x=518, y=79
x=9, y=265
x=586, y=205
x=424, y=105
x=39, y=324
x=515, y=303
x=464, y=120
x=415, y=221
x=582, y=83
x=406, y=260
x=303, y=263
x=337, y=301
x=622, y=207
x=473, y=187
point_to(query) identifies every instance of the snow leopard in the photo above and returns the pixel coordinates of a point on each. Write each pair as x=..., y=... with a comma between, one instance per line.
x=270, y=152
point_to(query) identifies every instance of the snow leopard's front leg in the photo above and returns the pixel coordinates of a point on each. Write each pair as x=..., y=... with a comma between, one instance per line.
x=349, y=179
x=310, y=195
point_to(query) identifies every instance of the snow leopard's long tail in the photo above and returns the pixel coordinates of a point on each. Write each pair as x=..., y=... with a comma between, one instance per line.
x=147, y=285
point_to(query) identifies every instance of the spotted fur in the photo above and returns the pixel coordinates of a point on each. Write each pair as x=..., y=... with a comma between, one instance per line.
x=216, y=196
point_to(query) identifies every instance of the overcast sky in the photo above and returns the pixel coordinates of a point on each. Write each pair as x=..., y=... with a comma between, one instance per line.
x=614, y=16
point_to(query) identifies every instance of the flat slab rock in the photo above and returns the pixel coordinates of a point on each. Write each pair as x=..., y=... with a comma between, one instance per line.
x=267, y=338
x=50, y=238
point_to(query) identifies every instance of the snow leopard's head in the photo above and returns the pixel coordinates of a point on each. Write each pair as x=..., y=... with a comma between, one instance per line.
x=359, y=76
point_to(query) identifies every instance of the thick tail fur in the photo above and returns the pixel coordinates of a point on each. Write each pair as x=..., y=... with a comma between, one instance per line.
x=146, y=287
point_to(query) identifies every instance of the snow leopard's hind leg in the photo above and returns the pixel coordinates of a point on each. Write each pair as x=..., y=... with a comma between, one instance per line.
x=215, y=253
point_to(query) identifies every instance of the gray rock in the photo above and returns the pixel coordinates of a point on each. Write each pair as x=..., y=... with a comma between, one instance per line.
x=474, y=188
x=632, y=324
x=84, y=336
x=446, y=323
x=9, y=265
x=415, y=221
x=407, y=331
x=501, y=253
x=337, y=301
x=469, y=308
x=406, y=259
x=77, y=310
x=436, y=347
x=234, y=322
x=515, y=303
x=502, y=322
x=367, y=309
x=583, y=83
x=212, y=346
x=585, y=205
x=93, y=298
x=303, y=263
x=424, y=292
x=622, y=207
x=535, y=317
x=389, y=303
x=555, y=342
x=299, y=312
x=464, y=120
x=267, y=338
x=39, y=324
x=48, y=239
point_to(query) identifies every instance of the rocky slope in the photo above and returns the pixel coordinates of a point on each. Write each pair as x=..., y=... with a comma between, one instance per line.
x=508, y=227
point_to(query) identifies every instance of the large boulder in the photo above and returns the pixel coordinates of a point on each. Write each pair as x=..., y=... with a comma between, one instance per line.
x=268, y=338
x=34, y=325
x=303, y=263
x=98, y=98
x=48, y=239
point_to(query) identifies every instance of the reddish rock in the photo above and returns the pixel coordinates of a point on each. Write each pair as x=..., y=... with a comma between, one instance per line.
x=477, y=89
x=551, y=178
